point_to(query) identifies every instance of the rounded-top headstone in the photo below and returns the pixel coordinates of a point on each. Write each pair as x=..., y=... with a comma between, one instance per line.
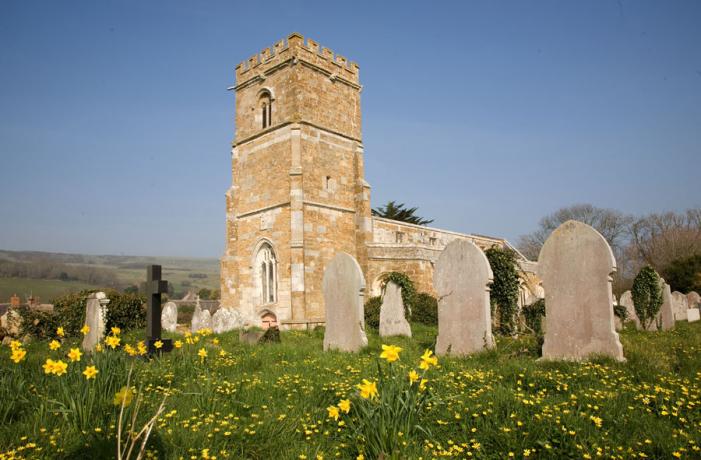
x=461, y=280
x=392, y=319
x=576, y=264
x=680, y=304
x=693, y=299
x=344, y=292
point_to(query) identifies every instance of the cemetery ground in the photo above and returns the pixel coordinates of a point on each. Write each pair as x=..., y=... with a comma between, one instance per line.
x=226, y=399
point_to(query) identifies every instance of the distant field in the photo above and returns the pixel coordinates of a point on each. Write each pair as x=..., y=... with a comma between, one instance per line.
x=46, y=290
x=183, y=273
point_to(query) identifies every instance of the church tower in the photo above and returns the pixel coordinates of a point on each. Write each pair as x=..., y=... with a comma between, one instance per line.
x=298, y=193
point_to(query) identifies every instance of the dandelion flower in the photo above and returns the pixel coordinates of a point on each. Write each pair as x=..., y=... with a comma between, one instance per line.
x=390, y=353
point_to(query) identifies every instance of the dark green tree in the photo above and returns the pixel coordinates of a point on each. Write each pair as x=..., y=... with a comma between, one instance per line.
x=395, y=211
x=504, y=294
x=684, y=275
x=205, y=294
x=647, y=295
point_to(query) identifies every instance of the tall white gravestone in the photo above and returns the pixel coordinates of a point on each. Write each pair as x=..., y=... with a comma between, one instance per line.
x=627, y=301
x=665, y=318
x=392, y=319
x=576, y=264
x=169, y=316
x=680, y=304
x=461, y=280
x=344, y=293
x=96, y=319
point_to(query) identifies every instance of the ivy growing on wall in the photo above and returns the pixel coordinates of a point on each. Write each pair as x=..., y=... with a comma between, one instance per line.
x=504, y=294
x=647, y=295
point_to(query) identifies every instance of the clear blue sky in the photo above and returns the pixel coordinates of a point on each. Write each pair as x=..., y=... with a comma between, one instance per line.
x=115, y=122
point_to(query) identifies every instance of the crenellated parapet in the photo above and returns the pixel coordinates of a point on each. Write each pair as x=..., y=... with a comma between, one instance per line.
x=295, y=50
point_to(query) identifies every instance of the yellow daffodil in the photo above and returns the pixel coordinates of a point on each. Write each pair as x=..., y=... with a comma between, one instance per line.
x=112, y=341
x=18, y=355
x=215, y=341
x=15, y=344
x=60, y=368
x=90, y=372
x=48, y=366
x=74, y=355
x=60, y=332
x=141, y=346
x=178, y=344
x=390, y=353
x=131, y=351
x=85, y=329
x=98, y=348
x=333, y=412
x=123, y=396
x=54, y=345
x=158, y=344
x=413, y=377
x=427, y=360
x=116, y=331
x=368, y=389
x=422, y=384
x=202, y=353
x=344, y=405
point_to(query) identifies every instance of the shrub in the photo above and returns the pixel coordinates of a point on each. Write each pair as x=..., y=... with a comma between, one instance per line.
x=39, y=324
x=621, y=312
x=504, y=295
x=684, y=275
x=425, y=309
x=534, y=314
x=70, y=311
x=372, y=312
x=647, y=295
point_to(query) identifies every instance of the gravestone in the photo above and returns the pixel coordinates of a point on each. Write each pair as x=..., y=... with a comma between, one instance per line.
x=692, y=315
x=392, y=320
x=461, y=280
x=666, y=315
x=95, y=319
x=155, y=286
x=169, y=317
x=693, y=299
x=201, y=318
x=344, y=292
x=680, y=304
x=226, y=319
x=627, y=302
x=576, y=264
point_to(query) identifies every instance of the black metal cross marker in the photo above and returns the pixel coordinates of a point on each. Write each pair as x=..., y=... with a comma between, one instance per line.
x=155, y=286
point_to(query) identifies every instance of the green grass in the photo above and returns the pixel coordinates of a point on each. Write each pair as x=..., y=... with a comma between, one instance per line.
x=270, y=401
x=45, y=290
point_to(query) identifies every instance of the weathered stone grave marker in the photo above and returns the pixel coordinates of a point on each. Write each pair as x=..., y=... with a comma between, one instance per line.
x=461, y=280
x=665, y=318
x=392, y=319
x=627, y=301
x=95, y=319
x=169, y=317
x=576, y=264
x=201, y=318
x=155, y=286
x=680, y=304
x=344, y=293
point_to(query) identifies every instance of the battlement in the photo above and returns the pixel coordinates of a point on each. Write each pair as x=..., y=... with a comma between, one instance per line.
x=295, y=48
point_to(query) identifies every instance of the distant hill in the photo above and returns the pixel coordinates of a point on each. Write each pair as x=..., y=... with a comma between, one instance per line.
x=49, y=274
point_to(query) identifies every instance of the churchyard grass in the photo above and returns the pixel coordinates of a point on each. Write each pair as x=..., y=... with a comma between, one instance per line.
x=273, y=400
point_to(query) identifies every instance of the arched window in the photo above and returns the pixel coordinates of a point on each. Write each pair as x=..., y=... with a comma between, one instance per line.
x=266, y=274
x=265, y=105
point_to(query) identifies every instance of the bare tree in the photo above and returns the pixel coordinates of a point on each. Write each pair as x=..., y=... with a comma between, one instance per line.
x=658, y=239
x=612, y=224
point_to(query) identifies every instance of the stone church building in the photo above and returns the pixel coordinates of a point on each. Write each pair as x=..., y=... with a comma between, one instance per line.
x=299, y=194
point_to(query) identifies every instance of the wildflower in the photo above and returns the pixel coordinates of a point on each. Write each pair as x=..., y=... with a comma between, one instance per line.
x=422, y=384
x=344, y=405
x=15, y=344
x=141, y=346
x=222, y=353
x=85, y=329
x=123, y=396
x=131, y=351
x=60, y=332
x=333, y=412
x=59, y=368
x=158, y=344
x=413, y=377
x=368, y=389
x=90, y=372
x=54, y=345
x=202, y=353
x=74, y=354
x=112, y=341
x=427, y=360
x=116, y=330
x=18, y=355
x=390, y=353
x=48, y=366
x=178, y=344
x=215, y=341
